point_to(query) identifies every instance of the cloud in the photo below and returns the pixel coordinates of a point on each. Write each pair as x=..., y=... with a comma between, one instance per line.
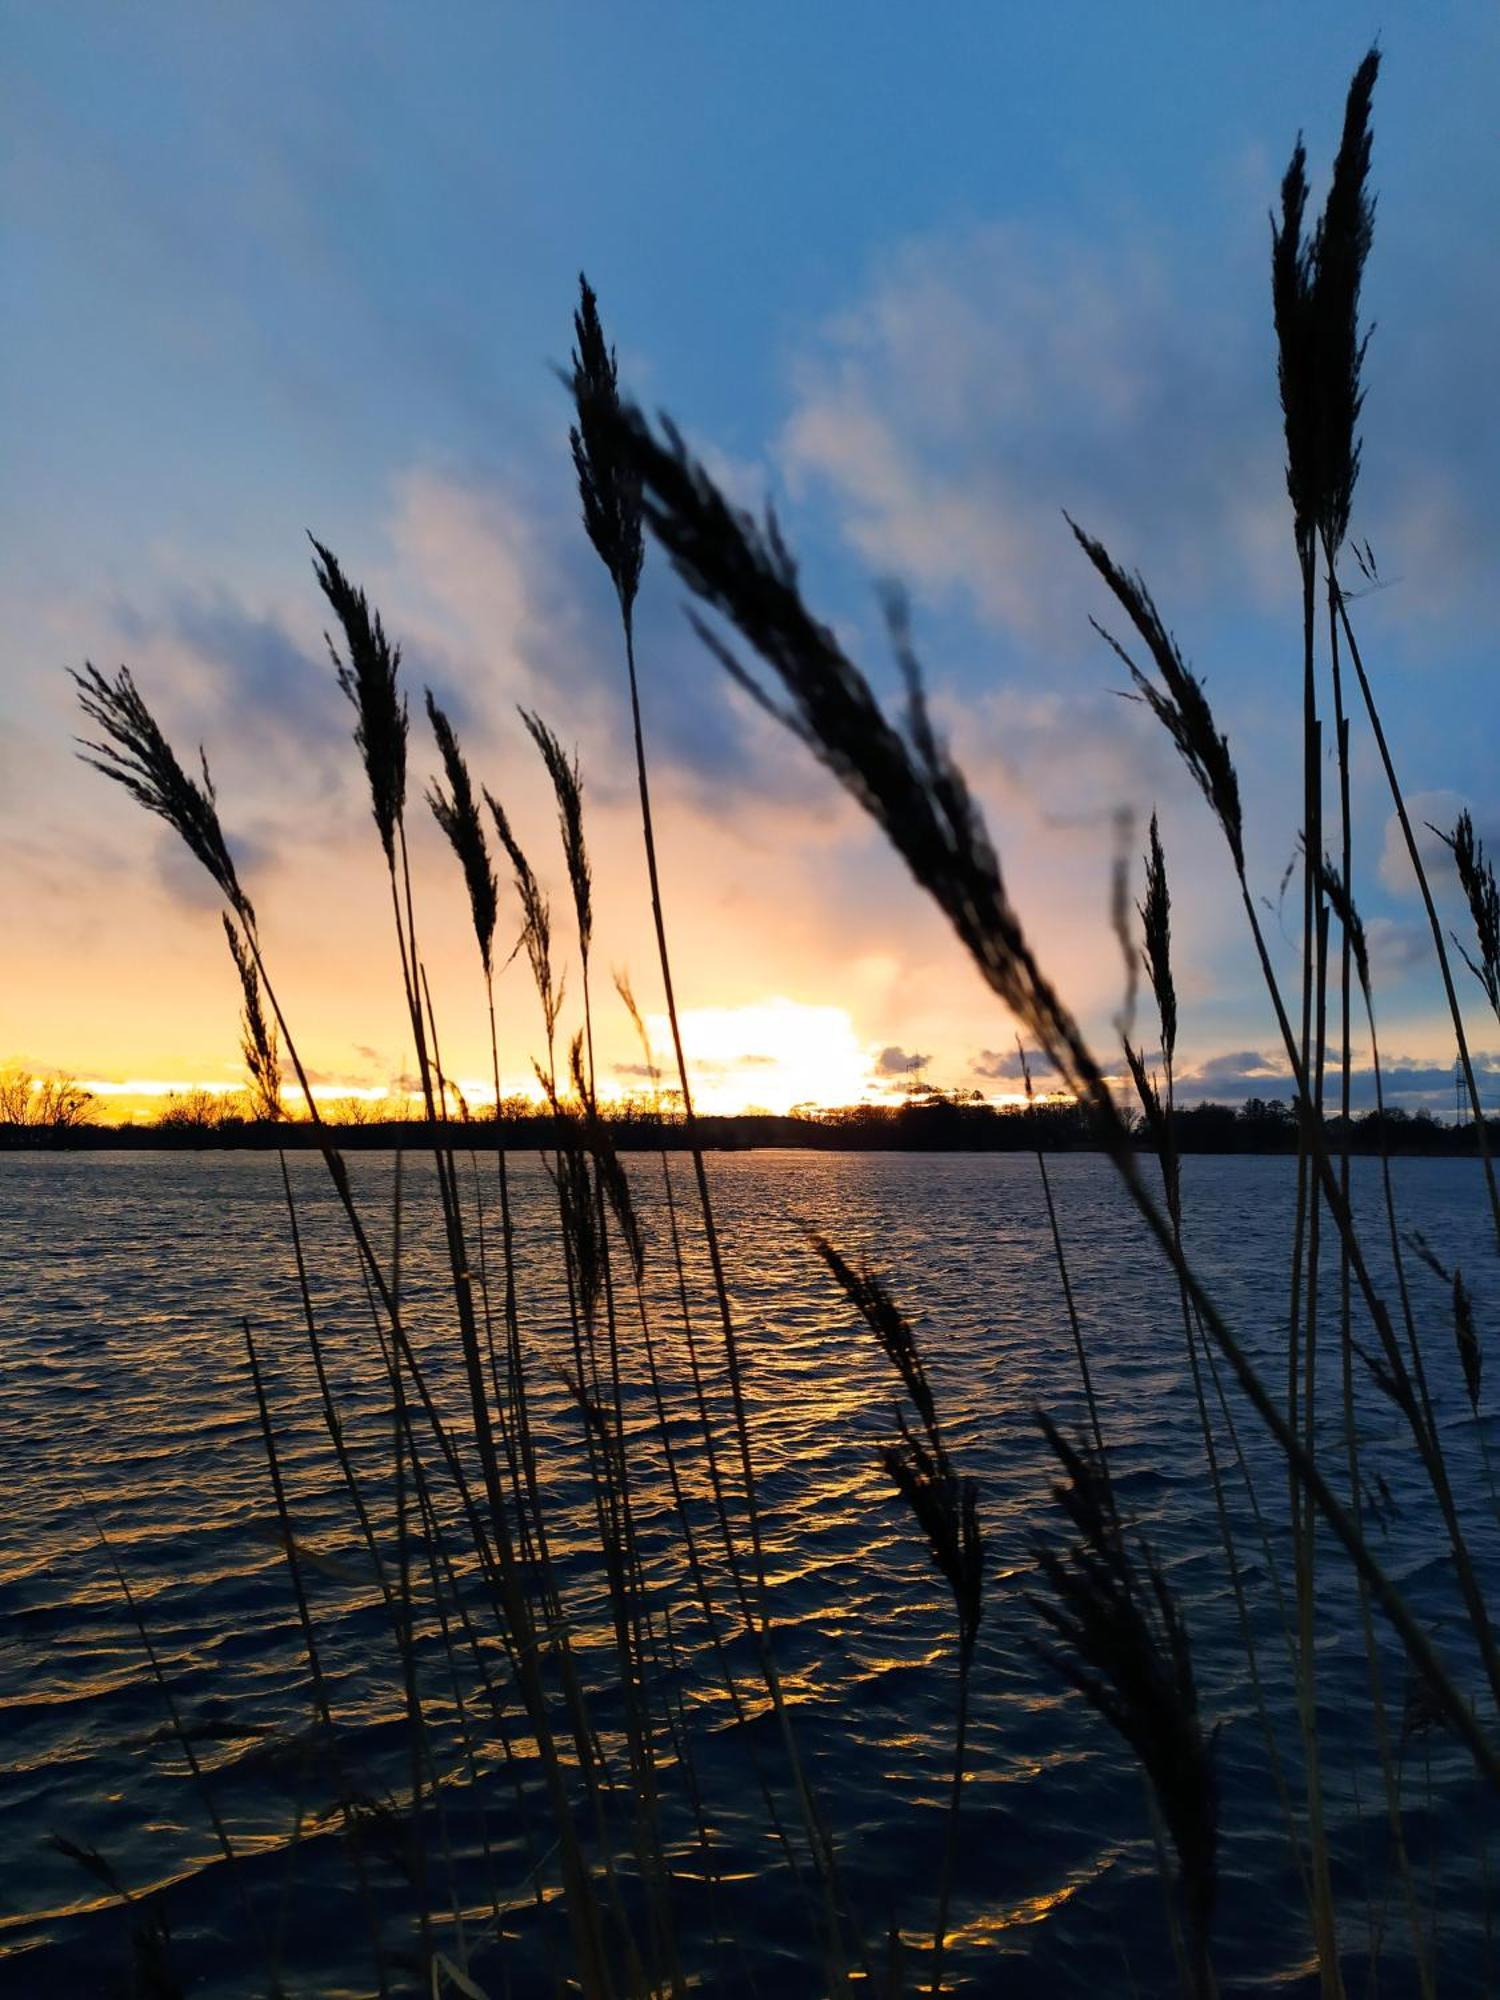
x=269, y=678
x=1071, y=759
x=893, y=1061
x=990, y=378
x=509, y=604
x=1396, y=947
x=1407, y=1082
x=475, y=582
x=1235, y=1074
x=1426, y=810
x=1006, y=1066
x=186, y=880
x=249, y=681
x=1415, y=1083
x=496, y=600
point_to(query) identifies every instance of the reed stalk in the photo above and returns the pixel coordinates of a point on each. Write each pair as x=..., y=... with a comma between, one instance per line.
x=946, y=1509
x=322, y=1704
x=1161, y=1121
x=609, y=485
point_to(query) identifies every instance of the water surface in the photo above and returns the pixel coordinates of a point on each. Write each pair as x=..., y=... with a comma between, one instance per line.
x=126, y=1398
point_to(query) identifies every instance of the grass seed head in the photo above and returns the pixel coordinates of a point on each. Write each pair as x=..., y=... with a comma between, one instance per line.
x=1476, y=877
x=257, y=1031
x=457, y=813
x=1466, y=1334
x=1123, y=1645
x=562, y=769
x=1465, y=1331
x=1315, y=294
x=608, y=484
x=137, y=755
x=946, y=1508
x=367, y=672
x=945, y=1505
x=536, y=917
x=1179, y=703
x=1336, y=890
x=1155, y=913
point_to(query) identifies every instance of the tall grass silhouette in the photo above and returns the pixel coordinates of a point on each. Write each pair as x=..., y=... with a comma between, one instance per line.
x=556, y=1625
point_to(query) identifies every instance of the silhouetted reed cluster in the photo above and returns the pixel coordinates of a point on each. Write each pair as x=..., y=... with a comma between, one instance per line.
x=1125, y=1648
x=567, y=1694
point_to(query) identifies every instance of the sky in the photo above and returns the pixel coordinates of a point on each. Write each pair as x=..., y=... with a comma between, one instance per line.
x=923, y=282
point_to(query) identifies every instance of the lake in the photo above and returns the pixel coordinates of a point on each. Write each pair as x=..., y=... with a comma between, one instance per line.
x=126, y=1399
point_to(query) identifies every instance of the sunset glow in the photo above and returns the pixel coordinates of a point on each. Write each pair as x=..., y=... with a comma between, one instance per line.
x=803, y=955
x=769, y=1056
x=749, y=1000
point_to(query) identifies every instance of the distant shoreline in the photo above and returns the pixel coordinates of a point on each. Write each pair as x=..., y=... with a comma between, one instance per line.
x=1255, y=1129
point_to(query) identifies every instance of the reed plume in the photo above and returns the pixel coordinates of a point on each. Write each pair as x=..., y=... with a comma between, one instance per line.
x=536, y=917
x=258, y=1042
x=367, y=674
x=1179, y=704
x=562, y=769
x=580, y=1220
x=1155, y=913
x=1295, y=371
x=138, y=756
x=1336, y=890
x=457, y=813
x=946, y=1510
x=1476, y=875
x=1466, y=1335
x=152, y=1976
x=613, y=1180
x=1124, y=1647
x=945, y=1506
x=903, y=776
x=608, y=484
x=1465, y=1331
x=1315, y=290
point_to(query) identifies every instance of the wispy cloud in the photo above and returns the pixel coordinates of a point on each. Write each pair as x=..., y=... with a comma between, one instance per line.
x=991, y=378
x=1007, y=1066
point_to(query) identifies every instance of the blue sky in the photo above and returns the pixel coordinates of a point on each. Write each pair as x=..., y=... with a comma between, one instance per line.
x=926, y=282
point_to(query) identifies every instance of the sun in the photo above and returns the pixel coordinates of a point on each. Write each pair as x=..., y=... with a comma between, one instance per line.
x=769, y=1055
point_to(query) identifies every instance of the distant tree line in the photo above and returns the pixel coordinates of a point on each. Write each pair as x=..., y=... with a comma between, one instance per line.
x=58, y=1112
x=42, y=1104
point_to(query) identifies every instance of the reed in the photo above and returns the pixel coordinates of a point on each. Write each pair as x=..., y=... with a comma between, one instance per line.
x=537, y=1615
x=743, y=571
x=1124, y=1647
x=1476, y=877
x=945, y=1506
